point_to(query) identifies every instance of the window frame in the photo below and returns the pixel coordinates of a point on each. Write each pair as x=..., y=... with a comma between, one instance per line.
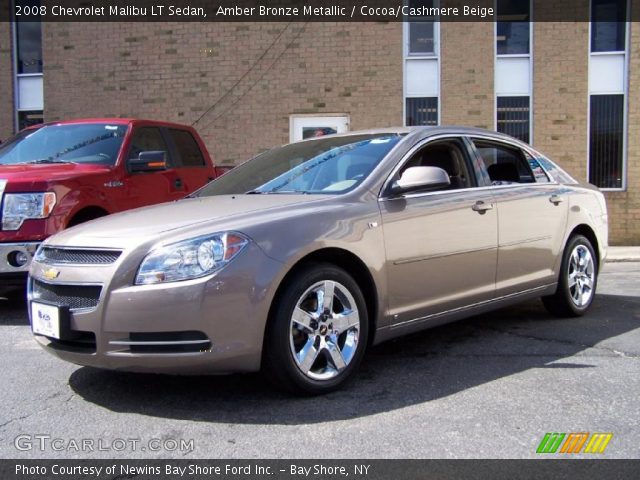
x=514, y=144
x=165, y=138
x=176, y=156
x=470, y=156
x=408, y=57
x=625, y=103
x=13, y=25
x=482, y=177
x=624, y=134
x=627, y=27
x=495, y=35
x=506, y=146
x=529, y=115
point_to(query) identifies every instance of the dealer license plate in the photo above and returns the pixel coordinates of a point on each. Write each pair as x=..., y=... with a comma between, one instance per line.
x=45, y=320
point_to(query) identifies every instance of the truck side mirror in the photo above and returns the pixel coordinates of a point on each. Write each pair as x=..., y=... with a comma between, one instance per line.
x=149, y=161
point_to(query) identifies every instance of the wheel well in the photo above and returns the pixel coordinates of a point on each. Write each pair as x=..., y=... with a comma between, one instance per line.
x=354, y=267
x=586, y=231
x=86, y=214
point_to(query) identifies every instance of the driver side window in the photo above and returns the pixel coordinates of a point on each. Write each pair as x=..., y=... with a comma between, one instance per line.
x=449, y=155
x=147, y=139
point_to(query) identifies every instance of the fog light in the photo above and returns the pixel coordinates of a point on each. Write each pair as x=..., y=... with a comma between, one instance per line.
x=17, y=258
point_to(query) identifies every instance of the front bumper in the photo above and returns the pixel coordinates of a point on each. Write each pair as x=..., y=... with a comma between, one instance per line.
x=214, y=324
x=8, y=252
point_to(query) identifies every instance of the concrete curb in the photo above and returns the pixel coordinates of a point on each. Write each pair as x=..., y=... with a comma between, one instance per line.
x=623, y=254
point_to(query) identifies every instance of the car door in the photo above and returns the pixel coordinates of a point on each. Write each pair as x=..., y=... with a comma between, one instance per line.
x=192, y=169
x=441, y=246
x=532, y=214
x=147, y=188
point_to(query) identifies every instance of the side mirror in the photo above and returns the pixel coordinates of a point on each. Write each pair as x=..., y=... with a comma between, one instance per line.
x=150, y=161
x=420, y=178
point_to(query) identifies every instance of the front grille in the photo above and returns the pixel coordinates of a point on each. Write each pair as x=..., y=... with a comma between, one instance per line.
x=78, y=256
x=73, y=296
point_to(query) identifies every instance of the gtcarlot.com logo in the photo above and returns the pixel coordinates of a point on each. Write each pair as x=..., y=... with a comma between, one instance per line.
x=47, y=443
x=574, y=442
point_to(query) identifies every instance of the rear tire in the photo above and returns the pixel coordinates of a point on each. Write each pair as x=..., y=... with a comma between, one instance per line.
x=577, y=280
x=318, y=331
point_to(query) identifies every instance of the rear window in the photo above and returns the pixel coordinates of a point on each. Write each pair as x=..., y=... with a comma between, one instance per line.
x=189, y=153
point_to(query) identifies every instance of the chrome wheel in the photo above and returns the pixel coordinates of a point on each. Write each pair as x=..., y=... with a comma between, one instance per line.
x=581, y=276
x=324, y=330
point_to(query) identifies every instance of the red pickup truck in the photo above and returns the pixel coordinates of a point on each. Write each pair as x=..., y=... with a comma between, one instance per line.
x=57, y=175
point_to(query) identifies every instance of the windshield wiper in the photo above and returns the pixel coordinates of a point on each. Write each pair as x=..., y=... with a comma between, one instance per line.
x=49, y=160
x=272, y=192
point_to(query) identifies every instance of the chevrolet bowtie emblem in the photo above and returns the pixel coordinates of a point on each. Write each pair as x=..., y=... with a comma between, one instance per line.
x=51, y=273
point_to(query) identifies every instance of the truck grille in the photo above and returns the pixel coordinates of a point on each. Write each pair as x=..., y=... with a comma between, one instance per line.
x=75, y=297
x=78, y=256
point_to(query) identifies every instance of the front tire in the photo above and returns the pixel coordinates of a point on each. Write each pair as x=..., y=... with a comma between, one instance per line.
x=577, y=281
x=318, y=331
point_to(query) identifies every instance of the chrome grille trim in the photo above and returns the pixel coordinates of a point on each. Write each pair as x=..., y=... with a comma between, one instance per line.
x=77, y=256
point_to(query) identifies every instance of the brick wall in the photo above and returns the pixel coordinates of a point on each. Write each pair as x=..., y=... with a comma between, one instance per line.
x=176, y=71
x=466, y=72
x=560, y=92
x=6, y=82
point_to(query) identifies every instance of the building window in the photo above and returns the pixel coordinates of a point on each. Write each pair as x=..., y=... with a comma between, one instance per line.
x=606, y=142
x=422, y=111
x=608, y=27
x=421, y=30
x=29, y=46
x=421, y=65
x=512, y=27
x=29, y=118
x=513, y=117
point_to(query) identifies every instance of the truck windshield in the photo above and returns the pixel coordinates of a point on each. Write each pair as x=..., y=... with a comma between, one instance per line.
x=78, y=143
x=331, y=165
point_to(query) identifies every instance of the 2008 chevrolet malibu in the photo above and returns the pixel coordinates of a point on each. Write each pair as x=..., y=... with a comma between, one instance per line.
x=297, y=260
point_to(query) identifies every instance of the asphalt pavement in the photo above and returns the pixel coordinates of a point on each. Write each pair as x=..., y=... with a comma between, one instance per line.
x=487, y=387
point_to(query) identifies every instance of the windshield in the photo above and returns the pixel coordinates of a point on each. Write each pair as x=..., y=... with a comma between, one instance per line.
x=329, y=165
x=78, y=143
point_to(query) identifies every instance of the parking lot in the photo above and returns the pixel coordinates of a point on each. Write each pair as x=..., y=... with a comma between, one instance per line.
x=487, y=387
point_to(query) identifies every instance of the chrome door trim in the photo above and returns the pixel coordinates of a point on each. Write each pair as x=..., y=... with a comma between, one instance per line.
x=443, y=255
x=467, y=307
x=474, y=189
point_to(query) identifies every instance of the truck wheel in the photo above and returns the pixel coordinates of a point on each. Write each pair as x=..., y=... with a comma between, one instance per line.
x=577, y=281
x=318, y=331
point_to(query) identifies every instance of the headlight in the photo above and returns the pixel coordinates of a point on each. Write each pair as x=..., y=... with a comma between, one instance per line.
x=19, y=207
x=190, y=258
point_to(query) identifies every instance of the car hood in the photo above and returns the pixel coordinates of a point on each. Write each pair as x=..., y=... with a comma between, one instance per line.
x=158, y=222
x=31, y=174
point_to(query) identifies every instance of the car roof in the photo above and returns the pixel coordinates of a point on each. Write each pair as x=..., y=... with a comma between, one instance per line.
x=426, y=131
x=111, y=120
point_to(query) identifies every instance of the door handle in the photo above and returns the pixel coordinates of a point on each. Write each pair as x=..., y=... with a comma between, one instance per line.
x=481, y=207
x=178, y=183
x=555, y=199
